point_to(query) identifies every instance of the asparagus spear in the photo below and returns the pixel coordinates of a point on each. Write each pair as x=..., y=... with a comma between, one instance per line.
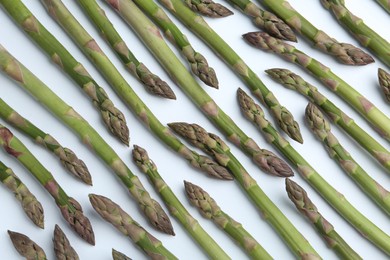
x=362, y=105
x=31, y=206
x=343, y=52
x=306, y=207
x=116, y=255
x=112, y=117
x=67, y=157
x=26, y=247
x=113, y=214
x=210, y=210
x=208, y=8
x=384, y=82
x=369, y=230
x=62, y=248
x=321, y=128
x=176, y=208
x=69, y=207
x=355, y=25
x=295, y=82
x=265, y=20
x=16, y=71
x=197, y=24
x=214, y=145
x=385, y=4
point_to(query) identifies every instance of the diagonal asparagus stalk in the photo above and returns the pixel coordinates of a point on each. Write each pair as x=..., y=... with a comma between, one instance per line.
x=26, y=247
x=321, y=128
x=67, y=157
x=343, y=52
x=16, y=71
x=214, y=145
x=62, y=248
x=112, y=117
x=265, y=20
x=355, y=25
x=176, y=208
x=116, y=255
x=31, y=206
x=369, y=230
x=384, y=82
x=385, y=4
x=208, y=8
x=295, y=82
x=306, y=207
x=210, y=210
x=69, y=207
x=112, y=213
x=369, y=111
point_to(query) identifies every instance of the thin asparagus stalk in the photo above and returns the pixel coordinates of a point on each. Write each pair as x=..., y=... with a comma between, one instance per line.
x=214, y=145
x=28, y=81
x=369, y=230
x=385, y=4
x=343, y=52
x=197, y=24
x=208, y=8
x=116, y=255
x=265, y=20
x=210, y=210
x=31, y=206
x=355, y=25
x=26, y=247
x=321, y=128
x=369, y=111
x=68, y=158
x=306, y=207
x=176, y=208
x=62, y=248
x=112, y=117
x=295, y=82
x=113, y=214
x=69, y=207
x=384, y=82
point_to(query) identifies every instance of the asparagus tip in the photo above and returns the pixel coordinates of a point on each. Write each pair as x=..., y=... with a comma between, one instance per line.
x=384, y=82
x=62, y=247
x=25, y=246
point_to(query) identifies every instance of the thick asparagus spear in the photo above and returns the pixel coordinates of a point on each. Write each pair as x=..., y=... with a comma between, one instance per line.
x=343, y=52
x=321, y=128
x=69, y=207
x=116, y=255
x=214, y=145
x=67, y=157
x=385, y=4
x=384, y=82
x=15, y=70
x=295, y=82
x=355, y=25
x=362, y=105
x=369, y=230
x=208, y=8
x=113, y=214
x=26, y=247
x=306, y=207
x=112, y=117
x=62, y=248
x=210, y=210
x=176, y=208
x=31, y=206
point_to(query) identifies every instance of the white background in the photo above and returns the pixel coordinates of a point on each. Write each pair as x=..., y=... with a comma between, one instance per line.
x=174, y=169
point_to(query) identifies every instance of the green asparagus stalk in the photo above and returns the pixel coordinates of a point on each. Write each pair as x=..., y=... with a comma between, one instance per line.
x=214, y=145
x=306, y=207
x=210, y=210
x=384, y=82
x=265, y=20
x=295, y=82
x=26, y=247
x=113, y=214
x=69, y=207
x=112, y=117
x=67, y=157
x=355, y=25
x=369, y=230
x=31, y=206
x=321, y=128
x=343, y=52
x=208, y=8
x=116, y=255
x=356, y=100
x=385, y=4
x=200, y=27
x=62, y=248
x=16, y=71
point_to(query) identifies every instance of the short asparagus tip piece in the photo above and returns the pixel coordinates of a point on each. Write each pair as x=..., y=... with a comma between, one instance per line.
x=116, y=255
x=209, y=8
x=384, y=82
x=26, y=247
x=62, y=247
